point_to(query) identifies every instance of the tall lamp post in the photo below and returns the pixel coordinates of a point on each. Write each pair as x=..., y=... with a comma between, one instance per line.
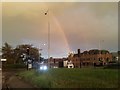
x=47, y=13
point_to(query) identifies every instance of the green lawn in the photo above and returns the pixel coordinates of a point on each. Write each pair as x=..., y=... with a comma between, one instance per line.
x=73, y=78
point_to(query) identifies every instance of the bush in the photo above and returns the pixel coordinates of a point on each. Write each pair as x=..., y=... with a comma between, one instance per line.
x=112, y=66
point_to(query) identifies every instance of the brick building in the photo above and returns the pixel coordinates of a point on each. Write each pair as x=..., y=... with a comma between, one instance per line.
x=87, y=58
x=91, y=58
x=56, y=62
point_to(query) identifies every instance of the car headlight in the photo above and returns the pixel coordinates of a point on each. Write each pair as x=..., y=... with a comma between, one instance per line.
x=43, y=68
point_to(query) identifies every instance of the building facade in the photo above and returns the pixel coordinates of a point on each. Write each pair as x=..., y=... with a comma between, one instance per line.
x=91, y=58
x=56, y=62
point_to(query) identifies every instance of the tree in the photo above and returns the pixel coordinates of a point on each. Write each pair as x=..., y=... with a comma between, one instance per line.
x=7, y=53
x=14, y=56
x=21, y=50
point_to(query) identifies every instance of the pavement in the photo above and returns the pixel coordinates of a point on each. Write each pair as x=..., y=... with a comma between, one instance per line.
x=15, y=82
x=11, y=80
x=0, y=74
x=0, y=79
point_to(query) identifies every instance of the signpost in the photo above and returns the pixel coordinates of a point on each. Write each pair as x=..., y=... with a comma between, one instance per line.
x=29, y=61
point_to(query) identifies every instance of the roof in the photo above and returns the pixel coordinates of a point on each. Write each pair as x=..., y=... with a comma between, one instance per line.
x=93, y=51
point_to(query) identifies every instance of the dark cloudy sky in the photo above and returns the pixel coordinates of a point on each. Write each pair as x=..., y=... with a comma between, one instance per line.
x=72, y=25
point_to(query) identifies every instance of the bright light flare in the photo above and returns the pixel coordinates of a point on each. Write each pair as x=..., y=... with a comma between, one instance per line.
x=43, y=67
x=44, y=44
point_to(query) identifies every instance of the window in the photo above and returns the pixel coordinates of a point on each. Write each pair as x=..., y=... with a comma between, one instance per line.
x=99, y=59
x=107, y=59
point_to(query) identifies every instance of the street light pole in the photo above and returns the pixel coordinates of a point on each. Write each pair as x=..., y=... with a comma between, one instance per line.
x=47, y=13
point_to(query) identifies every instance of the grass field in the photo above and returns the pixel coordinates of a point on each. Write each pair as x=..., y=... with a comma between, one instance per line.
x=73, y=78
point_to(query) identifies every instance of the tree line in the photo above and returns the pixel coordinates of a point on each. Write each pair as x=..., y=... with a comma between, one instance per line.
x=18, y=54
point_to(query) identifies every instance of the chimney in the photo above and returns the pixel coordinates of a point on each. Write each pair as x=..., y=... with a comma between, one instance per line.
x=78, y=52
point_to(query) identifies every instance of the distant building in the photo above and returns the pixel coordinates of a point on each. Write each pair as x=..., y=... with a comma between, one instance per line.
x=91, y=58
x=56, y=62
x=87, y=58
